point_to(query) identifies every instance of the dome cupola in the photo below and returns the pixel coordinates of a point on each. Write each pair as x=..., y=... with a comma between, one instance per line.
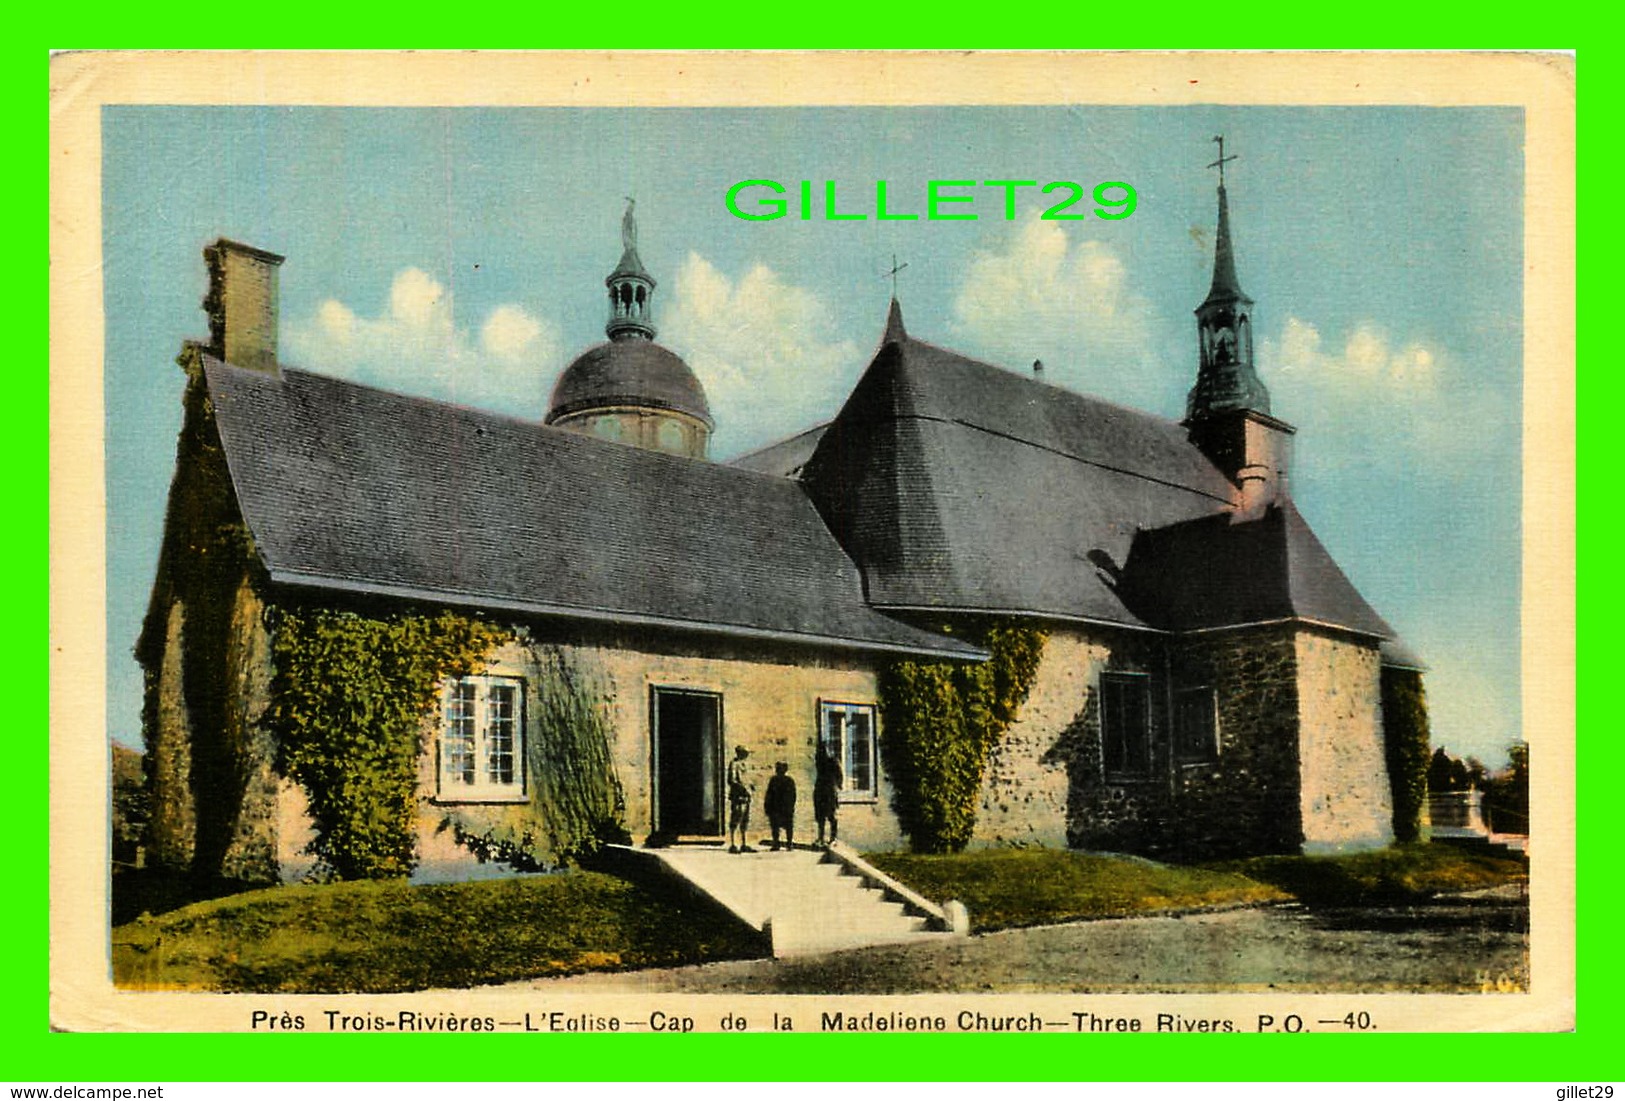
x=631, y=389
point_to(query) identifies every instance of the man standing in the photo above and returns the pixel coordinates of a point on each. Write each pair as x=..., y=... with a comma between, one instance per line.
x=826, y=792
x=741, y=791
x=780, y=805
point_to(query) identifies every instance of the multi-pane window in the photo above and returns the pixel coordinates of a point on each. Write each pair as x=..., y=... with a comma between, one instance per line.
x=847, y=732
x=482, y=753
x=1195, y=725
x=1125, y=724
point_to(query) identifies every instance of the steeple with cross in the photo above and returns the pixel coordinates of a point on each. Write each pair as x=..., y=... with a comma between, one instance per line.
x=894, y=316
x=1225, y=377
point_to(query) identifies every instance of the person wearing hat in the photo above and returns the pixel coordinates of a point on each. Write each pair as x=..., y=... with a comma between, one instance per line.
x=741, y=790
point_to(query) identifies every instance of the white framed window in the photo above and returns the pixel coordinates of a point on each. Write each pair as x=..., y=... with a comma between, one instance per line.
x=482, y=740
x=847, y=733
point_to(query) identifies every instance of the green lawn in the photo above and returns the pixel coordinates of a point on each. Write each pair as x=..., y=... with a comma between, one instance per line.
x=1004, y=888
x=389, y=936
x=386, y=935
x=1404, y=873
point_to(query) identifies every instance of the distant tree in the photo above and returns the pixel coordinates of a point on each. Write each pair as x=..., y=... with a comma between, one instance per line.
x=1506, y=793
x=132, y=803
x=1446, y=773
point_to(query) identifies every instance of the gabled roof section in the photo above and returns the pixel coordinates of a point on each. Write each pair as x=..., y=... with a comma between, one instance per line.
x=787, y=458
x=957, y=485
x=351, y=488
x=1220, y=571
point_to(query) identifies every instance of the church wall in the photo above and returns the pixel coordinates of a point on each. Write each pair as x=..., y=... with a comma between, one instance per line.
x=205, y=652
x=770, y=704
x=1244, y=799
x=214, y=793
x=1027, y=785
x=1346, y=798
x=1047, y=781
x=172, y=829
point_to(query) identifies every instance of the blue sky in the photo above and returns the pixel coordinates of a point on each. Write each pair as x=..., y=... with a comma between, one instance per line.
x=460, y=253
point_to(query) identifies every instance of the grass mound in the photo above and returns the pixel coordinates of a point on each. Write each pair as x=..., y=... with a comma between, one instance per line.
x=1006, y=888
x=372, y=936
x=1404, y=873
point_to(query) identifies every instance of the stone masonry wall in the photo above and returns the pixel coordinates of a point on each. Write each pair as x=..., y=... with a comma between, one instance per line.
x=1118, y=813
x=1046, y=782
x=172, y=830
x=205, y=652
x=1245, y=799
x=1346, y=800
x=1027, y=786
x=769, y=704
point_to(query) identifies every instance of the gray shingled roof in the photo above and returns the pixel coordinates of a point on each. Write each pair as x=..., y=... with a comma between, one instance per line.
x=786, y=458
x=348, y=487
x=957, y=485
x=1220, y=571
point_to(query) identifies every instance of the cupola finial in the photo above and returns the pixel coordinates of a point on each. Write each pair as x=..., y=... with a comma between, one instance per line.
x=631, y=288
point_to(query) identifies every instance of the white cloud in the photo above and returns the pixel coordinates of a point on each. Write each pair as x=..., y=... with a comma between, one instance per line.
x=1369, y=362
x=1366, y=392
x=765, y=350
x=416, y=345
x=1073, y=304
x=509, y=332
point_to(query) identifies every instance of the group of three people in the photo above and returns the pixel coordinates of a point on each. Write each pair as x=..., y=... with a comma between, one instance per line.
x=780, y=800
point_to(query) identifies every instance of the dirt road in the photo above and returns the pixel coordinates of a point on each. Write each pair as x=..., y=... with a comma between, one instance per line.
x=1460, y=945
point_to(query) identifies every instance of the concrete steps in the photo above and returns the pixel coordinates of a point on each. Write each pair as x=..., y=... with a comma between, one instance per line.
x=1480, y=840
x=806, y=900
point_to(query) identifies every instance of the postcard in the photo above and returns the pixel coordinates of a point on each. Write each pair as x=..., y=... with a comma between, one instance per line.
x=837, y=543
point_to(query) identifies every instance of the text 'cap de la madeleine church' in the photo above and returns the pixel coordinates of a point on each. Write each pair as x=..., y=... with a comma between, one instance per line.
x=398, y=633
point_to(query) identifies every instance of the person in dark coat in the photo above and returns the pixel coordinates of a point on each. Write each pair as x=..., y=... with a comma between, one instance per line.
x=826, y=789
x=780, y=804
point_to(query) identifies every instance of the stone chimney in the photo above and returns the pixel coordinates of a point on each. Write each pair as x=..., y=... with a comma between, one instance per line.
x=242, y=304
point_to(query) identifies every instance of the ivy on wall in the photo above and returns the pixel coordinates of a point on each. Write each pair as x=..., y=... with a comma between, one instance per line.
x=940, y=723
x=348, y=699
x=1406, y=737
x=577, y=804
x=198, y=777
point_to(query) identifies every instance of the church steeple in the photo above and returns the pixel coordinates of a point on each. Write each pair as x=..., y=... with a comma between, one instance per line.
x=1228, y=410
x=1225, y=378
x=631, y=288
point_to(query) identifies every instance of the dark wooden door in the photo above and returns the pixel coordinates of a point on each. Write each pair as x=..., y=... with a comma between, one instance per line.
x=687, y=762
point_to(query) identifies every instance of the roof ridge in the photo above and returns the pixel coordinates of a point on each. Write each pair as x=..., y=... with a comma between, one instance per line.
x=552, y=431
x=962, y=422
x=1071, y=394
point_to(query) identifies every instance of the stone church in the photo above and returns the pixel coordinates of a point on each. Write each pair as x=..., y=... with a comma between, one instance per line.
x=1210, y=682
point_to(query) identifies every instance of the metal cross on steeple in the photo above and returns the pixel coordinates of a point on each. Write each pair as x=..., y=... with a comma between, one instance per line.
x=895, y=268
x=1219, y=164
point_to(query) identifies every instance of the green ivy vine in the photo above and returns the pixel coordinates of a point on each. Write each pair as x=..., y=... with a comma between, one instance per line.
x=940, y=722
x=1406, y=737
x=348, y=698
x=577, y=804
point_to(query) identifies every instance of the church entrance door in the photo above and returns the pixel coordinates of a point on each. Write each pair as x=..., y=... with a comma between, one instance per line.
x=687, y=763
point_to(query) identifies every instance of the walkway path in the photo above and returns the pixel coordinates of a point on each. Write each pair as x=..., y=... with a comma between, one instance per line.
x=1464, y=944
